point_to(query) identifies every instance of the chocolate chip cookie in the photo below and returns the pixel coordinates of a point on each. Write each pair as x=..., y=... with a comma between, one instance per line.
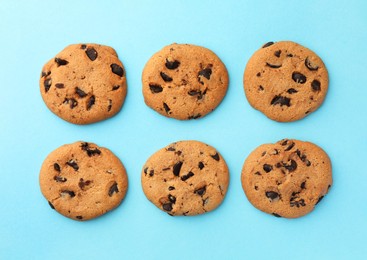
x=285, y=81
x=185, y=178
x=288, y=178
x=84, y=83
x=83, y=181
x=184, y=81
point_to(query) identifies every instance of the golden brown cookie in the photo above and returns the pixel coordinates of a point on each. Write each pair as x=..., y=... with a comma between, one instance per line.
x=288, y=178
x=285, y=81
x=185, y=178
x=84, y=83
x=83, y=181
x=184, y=81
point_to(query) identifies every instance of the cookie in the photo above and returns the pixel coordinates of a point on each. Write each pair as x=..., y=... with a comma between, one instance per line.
x=288, y=178
x=185, y=178
x=285, y=81
x=184, y=81
x=84, y=83
x=83, y=181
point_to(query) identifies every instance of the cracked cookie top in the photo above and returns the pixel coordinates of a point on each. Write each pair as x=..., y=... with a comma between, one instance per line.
x=185, y=178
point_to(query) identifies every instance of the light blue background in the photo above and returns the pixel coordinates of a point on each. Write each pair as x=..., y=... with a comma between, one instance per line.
x=32, y=32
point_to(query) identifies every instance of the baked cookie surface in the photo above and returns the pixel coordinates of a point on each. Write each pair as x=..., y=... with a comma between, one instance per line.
x=185, y=178
x=286, y=179
x=84, y=83
x=285, y=81
x=83, y=181
x=184, y=81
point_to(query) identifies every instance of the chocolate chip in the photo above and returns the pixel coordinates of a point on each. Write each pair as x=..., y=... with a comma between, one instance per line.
x=80, y=92
x=59, y=85
x=273, y=66
x=187, y=176
x=44, y=74
x=297, y=203
x=113, y=189
x=151, y=173
x=90, y=152
x=116, y=87
x=172, y=198
x=59, y=179
x=83, y=183
x=299, y=77
x=172, y=149
x=171, y=188
x=257, y=173
x=310, y=65
x=61, y=62
x=146, y=170
x=290, y=55
x=52, y=206
x=267, y=44
x=284, y=142
x=258, y=74
x=292, y=166
x=73, y=164
x=194, y=116
x=261, y=88
x=47, y=84
x=91, y=53
x=303, y=185
x=117, y=69
x=165, y=77
x=256, y=187
x=282, y=101
x=277, y=53
x=276, y=215
x=200, y=191
x=57, y=167
x=83, y=46
x=70, y=193
x=167, y=206
x=318, y=201
x=291, y=91
x=289, y=147
x=155, y=88
x=271, y=195
x=201, y=165
x=171, y=65
x=79, y=217
x=177, y=168
x=315, y=84
x=73, y=103
x=215, y=157
x=109, y=105
x=195, y=93
x=206, y=73
x=267, y=167
x=91, y=102
x=166, y=107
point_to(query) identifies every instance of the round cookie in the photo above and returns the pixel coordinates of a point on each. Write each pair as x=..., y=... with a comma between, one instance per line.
x=184, y=81
x=84, y=83
x=82, y=181
x=185, y=178
x=285, y=81
x=288, y=178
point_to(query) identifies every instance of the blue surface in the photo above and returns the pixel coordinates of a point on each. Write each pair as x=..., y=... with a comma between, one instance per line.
x=32, y=32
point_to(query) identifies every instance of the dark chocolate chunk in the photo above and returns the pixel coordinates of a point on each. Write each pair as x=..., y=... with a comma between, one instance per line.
x=47, y=84
x=172, y=198
x=292, y=166
x=172, y=149
x=171, y=65
x=61, y=62
x=44, y=74
x=167, y=206
x=52, y=206
x=282, y=101
x=277, y=53
x=267, y=44
x=271, y=195
x=273, y=66
x=151, y=173
x=109, y=105
x=57, y=167
x=91, y=102
x=299, y=77
x=195, y=93
x=177, y=168
x=267, y=167
x=83, y=183
x=73, y=103
x=73, y=164
x=187, y=176
x=194, y=116
x=113, y=189
x=116, y=87
x=91, y=53
x=166, y=107
x=207, y=72
x=69, y=192
x=79, y=217
x=315, y=84
x=290, y=55
x=80, y=92
x=289, y=147
x=291, y=91
x=165, y=77
x=257, y=173
x=155, y=88
x=90, y=151
x=215, y=157
x=310, y=65
x=297, y=203
x=83, y=46
x=276, y=215
x=200, y=191
x=117, y=69
x=59, y=85
x=261, y=88
x=284, y=142
x=59, y=179
x=318, y=201
x=171, y=188
x=303, y=185
x=146, y=170
x=201, y=165
x=258, y=74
